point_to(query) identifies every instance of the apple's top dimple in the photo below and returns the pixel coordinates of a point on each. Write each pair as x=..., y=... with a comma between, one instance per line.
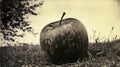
x=65, y=21
x=55, y=24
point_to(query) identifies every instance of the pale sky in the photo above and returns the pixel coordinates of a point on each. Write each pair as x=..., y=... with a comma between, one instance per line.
x=99, y=15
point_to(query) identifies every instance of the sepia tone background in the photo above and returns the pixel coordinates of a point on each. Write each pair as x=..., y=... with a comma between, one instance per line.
x=97, y=15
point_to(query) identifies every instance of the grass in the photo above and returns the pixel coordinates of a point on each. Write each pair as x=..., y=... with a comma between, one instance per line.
x=100, y=55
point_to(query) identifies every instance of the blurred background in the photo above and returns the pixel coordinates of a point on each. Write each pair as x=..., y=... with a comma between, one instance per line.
x=100, y=17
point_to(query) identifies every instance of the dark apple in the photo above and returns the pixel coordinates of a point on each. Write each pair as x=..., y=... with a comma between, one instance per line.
x=64, y=41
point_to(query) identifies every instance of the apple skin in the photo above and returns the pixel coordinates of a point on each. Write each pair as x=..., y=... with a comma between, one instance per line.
x=64, y=43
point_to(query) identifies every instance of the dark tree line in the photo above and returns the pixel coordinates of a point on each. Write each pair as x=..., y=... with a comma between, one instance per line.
x=13, y=14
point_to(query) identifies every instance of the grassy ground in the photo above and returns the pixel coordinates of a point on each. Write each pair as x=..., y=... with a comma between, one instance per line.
x=100, y=55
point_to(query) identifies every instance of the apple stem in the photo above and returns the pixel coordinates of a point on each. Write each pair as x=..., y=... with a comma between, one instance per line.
x=62, y=18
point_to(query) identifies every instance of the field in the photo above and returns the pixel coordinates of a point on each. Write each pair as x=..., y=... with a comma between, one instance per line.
x=100, y=55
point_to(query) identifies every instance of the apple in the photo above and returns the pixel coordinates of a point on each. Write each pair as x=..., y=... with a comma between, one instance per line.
x=64, y=41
